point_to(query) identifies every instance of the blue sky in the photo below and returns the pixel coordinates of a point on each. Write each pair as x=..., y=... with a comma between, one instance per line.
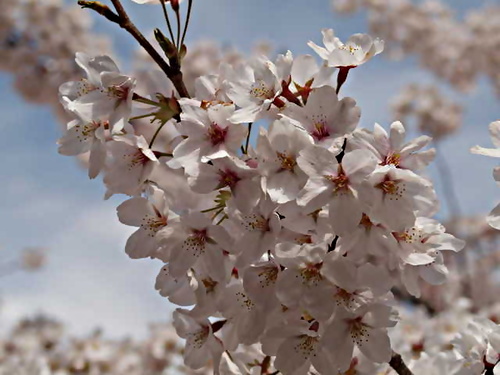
x=48, y=200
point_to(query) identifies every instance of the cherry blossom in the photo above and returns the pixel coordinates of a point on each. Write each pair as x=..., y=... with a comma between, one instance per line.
x=356, y=51
x=325, y=117
x=254, y=88
x=201, y=344
x=150, y=216
x=390, y=149
x=84, y=135
x=336, y=184
x=209, y=135
x=132, y=161
x=277, y=152
x=104, y=95
x=366, y=327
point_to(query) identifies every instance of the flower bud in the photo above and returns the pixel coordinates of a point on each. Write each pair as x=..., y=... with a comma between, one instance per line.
x=175, y=5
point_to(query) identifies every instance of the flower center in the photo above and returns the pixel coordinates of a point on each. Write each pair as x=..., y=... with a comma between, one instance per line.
x=84, y=87
x=228, y=178
x=268, y=276
x=153, y=224
x=391, y=188
x=118, y=92
x=359, y=333
x=320, y=131
x=136, y=159
x=366, y=222
x=344, y=298
x=306, y=346
x=410, y=236
x=303, y=239
x=311, y=274
x=288, y=162
x=209, y=284
x=259, y=90
x=256, y=223
x=196, y=242
x=87, y=131
x=340, y=181
x=392, y=159
x=198, y=338
x=350, y=48
x=216, y=134
x=245, y=302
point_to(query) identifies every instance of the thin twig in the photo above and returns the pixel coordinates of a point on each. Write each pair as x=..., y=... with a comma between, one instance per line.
x=399, y=365
x=188, y=17
x=248, y=136
x=140, y=117
x=167, y=19
x=138, y=98
x=124, y=22
x=178, y=18
x=156, y=134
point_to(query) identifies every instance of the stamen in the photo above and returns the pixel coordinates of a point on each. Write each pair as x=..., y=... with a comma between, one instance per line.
x=350, y=48
x=288, y=162
x=392, y=159
x=216, y=135
x=228, y=178
x=311, y=274
x=255, y=222
x=259, y=90
x=152, y=224
x=136, y=159
x=306, y=347
x=392, y=188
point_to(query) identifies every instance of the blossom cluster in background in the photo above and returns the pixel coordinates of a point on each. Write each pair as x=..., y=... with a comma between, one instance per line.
x=458, y=51
x=41, y=345
x=38, y=42
x=433, y=113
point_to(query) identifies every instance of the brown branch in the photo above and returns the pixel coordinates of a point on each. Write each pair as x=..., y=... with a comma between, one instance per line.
x=123, y=20
x=102, y=9
x=398, y=364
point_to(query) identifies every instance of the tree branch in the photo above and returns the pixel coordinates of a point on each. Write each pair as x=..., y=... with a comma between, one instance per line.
x=398, y=364
x=123, y=20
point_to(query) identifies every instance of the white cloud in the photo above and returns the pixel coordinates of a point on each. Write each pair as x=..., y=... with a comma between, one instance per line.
x=89, y=280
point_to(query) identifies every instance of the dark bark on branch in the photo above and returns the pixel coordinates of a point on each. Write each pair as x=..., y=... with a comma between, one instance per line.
x=398, y=364
x=122, y=19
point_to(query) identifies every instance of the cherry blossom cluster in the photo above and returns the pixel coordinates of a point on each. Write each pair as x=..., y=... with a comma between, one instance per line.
x=432, y=112
x=38, y=41
x=455, y=49
x=282, y=252
x=40, y=345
